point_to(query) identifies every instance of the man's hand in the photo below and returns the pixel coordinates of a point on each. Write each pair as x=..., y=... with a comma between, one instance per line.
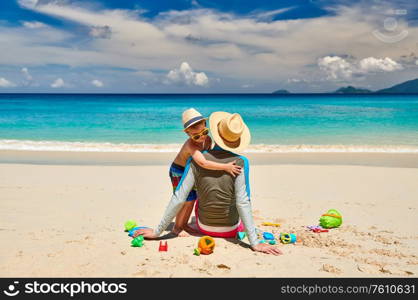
x=147, y=233
x=265, y=248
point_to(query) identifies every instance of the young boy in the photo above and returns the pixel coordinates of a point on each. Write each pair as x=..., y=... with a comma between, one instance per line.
x=195, y=127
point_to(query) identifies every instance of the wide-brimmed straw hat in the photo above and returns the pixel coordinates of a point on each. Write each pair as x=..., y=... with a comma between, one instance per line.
x=190, y=117
x=229, y=131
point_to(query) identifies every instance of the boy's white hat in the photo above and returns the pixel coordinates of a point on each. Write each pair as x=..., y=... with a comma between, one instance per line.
x=229, y=131
x=190, y=117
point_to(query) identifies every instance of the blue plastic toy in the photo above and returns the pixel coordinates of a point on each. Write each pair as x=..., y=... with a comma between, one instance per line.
x=241, y=235
x=268, y=236
x=132, y=231
x=288, y=238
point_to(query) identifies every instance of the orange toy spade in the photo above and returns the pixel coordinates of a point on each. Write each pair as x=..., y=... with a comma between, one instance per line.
x=205, y=246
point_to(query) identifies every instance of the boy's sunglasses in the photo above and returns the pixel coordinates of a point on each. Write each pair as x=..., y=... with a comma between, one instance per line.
x=197, y=136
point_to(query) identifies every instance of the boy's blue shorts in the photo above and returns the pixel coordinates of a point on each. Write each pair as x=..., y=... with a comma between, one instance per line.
x=176, y=172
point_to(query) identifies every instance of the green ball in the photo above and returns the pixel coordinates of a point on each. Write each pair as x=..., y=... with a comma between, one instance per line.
x=129, y=225
x=330, y=221
x=138, y=241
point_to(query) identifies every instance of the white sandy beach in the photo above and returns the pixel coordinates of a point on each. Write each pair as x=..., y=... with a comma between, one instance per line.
x=66, y=219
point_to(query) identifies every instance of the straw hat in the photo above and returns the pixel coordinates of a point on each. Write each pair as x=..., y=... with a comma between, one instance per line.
x=190, y=117
x=229, y=131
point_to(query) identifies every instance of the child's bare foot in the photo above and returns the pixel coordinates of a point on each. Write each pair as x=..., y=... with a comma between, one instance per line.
x=183, y=234
x=177, y=231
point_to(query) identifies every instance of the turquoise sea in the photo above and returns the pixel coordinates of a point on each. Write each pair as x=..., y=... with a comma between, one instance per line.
x=98, y=122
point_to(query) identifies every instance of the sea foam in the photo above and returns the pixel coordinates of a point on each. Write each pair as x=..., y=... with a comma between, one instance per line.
x=30, y=145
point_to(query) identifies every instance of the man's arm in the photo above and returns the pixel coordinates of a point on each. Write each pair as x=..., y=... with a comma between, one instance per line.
x=179, y=197
x=242, y=195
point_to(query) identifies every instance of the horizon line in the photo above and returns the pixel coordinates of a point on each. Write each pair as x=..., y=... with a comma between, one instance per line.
x=204, y=94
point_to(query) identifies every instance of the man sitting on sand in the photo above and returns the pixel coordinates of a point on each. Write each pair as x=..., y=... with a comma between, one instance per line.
x=223, y=207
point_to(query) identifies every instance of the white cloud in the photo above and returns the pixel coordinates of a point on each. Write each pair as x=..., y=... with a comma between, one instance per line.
x=335, y=67
x=338, y=68
x=185, y=74
x=28, y=3
x=269, y=15
x=58, y=83
x=26, y=74
x=235, y=47
x=97, y=83
x=4, y=83
x=34, y=24
x=103, y=32
x=371, y=64
x=297, y=80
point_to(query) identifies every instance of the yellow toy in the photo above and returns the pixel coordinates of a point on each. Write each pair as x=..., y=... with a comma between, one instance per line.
x=270, y=224
x=205, y=246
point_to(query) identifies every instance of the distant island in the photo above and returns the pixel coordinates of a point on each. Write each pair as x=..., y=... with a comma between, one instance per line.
x=281, y=92
x=407, y=87
x=352, y=90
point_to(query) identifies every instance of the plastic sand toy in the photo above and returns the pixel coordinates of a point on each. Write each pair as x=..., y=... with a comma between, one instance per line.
x=317, y=229
x=268, y=236
x=129, y=225
x=163, y=247
x=138, y=241
x=270, y=224
x=206, y=245
x=331, y=219
x=288, y=238
x=241, y=235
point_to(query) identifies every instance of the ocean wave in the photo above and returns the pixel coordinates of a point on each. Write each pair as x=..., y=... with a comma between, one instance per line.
x=29, y=145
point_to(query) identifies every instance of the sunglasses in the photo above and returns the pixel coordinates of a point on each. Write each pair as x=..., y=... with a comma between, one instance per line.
x=197, y=136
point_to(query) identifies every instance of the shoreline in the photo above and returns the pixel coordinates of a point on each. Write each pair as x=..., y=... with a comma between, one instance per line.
x=124, y=147
x=401, y=160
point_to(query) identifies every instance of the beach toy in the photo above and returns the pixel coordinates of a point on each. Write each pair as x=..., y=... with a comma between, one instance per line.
x=288, y=238
x=268, y=236
x=270, y=224
x=331, y=219
x=317, y=229
x=241, y=235
x=206, y=245
x=272, y=242
x=163, y=246
x=138, y=241
x=132, y=231
x=262, y=242
x=129, y=225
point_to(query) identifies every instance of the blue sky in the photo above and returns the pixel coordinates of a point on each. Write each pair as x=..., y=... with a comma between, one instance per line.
x=202, y=46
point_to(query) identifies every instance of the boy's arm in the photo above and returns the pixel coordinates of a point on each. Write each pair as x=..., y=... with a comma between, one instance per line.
x=200, y=159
